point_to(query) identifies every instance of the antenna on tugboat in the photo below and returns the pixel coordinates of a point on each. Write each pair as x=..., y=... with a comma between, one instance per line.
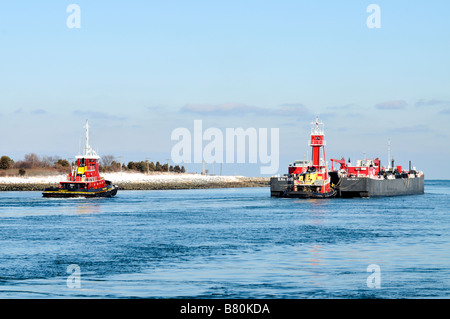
x=86, y=149
x=389, y=153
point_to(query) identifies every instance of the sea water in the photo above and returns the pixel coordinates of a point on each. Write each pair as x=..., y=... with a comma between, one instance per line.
x=225, y=243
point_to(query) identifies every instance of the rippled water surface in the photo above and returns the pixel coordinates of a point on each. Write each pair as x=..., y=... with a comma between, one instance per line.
x=225, y=243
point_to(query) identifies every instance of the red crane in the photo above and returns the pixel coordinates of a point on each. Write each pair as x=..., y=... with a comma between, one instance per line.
x=341, y=161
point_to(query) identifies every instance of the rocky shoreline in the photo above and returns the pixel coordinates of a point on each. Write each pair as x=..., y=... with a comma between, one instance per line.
x=236, y=182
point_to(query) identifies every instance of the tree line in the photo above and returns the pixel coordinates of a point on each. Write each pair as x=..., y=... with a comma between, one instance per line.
x=34, y=161
x=108, y=163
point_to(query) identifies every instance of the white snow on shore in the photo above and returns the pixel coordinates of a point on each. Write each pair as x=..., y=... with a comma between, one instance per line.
x=32, y=179
x=165, y=177
x=126, y=178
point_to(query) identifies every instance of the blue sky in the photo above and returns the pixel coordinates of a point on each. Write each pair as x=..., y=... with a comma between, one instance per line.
x=139, y=70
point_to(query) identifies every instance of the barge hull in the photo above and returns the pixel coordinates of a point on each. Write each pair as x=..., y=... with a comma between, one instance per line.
x=367, y=187
x=279, y=186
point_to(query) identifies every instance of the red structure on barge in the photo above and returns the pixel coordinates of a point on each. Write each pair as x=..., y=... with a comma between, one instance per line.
x=310, y=179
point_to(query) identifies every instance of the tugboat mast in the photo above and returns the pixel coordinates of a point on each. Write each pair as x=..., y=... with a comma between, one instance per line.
x=88, y=151
x=317, y=142
x=87, y=138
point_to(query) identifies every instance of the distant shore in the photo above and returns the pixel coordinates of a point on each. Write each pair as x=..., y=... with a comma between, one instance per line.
x=138, y=181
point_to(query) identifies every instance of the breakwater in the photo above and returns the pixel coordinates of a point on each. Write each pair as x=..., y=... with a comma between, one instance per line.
x=167, y=184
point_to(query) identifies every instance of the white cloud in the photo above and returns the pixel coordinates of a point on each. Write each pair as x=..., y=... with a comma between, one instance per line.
x=391, y=105
x=432, y=102
x=239, y=109
x=221, y=109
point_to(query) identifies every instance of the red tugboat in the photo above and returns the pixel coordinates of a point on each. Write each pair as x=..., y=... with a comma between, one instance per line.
x=84, y=180
x=307, y=179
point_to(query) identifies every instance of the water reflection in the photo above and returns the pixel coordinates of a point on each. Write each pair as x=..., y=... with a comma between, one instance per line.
x=79, y=206
x=316, y=255
x=311, y=266
x=88, y=208
x=312, y=258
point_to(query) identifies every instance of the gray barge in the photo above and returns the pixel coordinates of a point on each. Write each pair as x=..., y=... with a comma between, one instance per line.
x=411, y=183
x=364, y=178
x=371, y=187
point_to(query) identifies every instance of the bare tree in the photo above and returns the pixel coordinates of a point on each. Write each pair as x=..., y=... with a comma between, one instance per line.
x=48, y=161
x=107, y=160
x=33, y=159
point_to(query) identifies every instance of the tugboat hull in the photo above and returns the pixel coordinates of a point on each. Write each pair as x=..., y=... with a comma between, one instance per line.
x=283, y=187
x=305, y=194
x=108, y=191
